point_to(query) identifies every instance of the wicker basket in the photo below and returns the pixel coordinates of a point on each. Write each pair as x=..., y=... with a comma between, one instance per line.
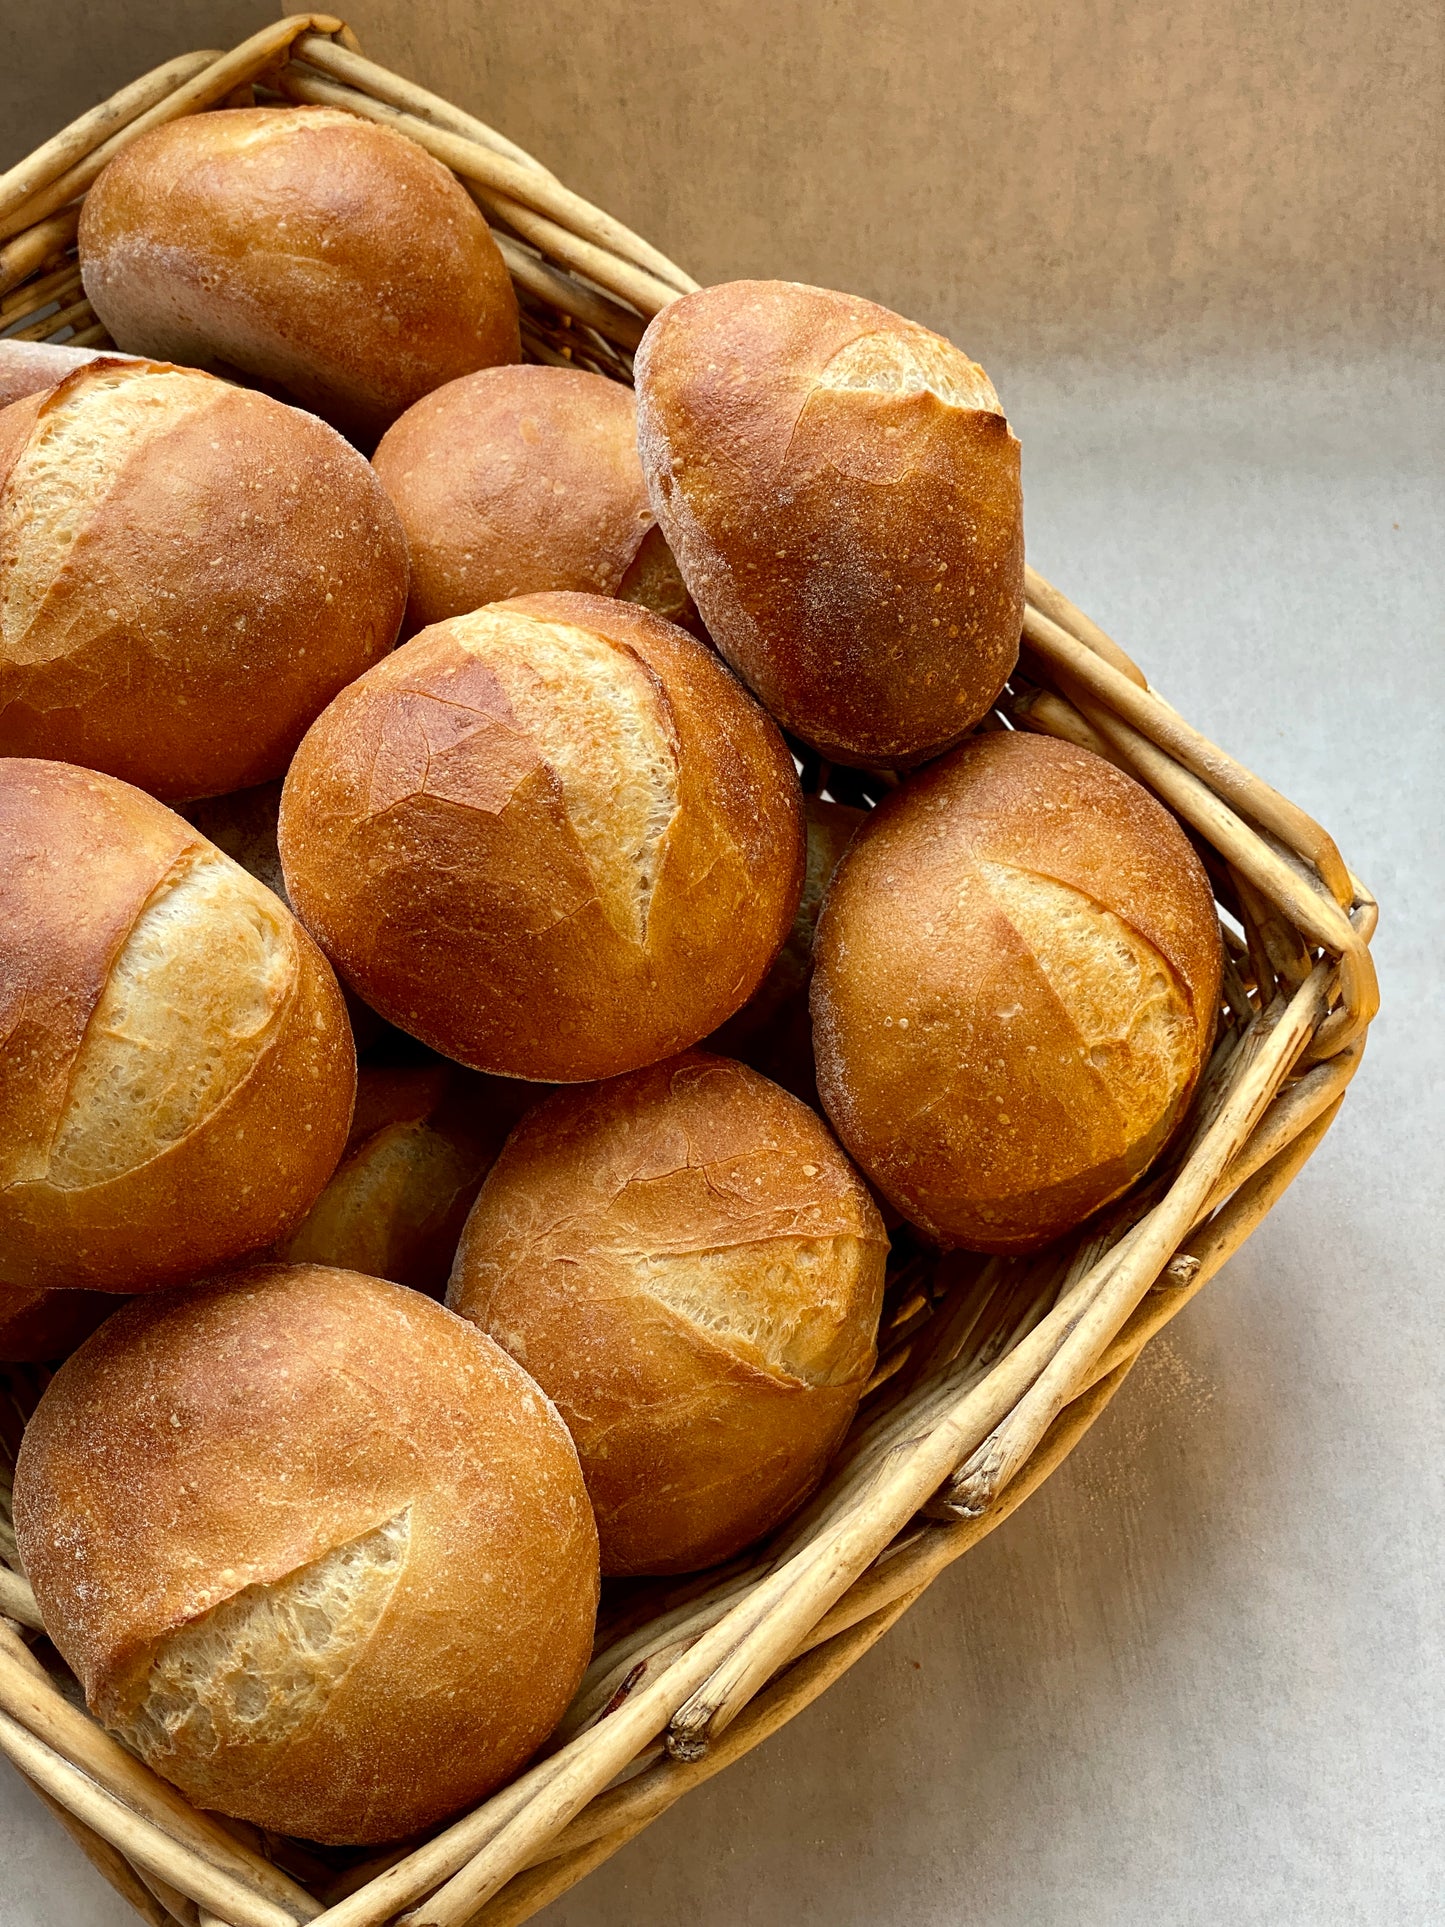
x=990, y=1370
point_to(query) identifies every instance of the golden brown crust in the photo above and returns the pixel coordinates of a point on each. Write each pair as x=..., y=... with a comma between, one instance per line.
x=690, y=1268
x=81, y=856
x=224, y=1437
x=309, y=248
x=951, y=1061
x=854, y=546
x=427, y=844
x=513, y=481
x=243, y=566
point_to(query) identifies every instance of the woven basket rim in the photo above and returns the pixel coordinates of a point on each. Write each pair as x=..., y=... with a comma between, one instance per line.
x=990, y=1371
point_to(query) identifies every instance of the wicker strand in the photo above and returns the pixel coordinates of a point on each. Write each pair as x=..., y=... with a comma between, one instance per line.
x=37, y=247
x=17, y=1601
x=1056, y=606
x=573, y=297
x=35, y=295
x=995, y=1461
x=79, y=314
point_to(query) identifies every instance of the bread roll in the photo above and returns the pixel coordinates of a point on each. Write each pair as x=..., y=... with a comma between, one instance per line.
x=685, y=1261
x=178, y=1074
x=773, y=1031
x=38, y=1326
x=312, y=250
x=841, y=491
x=553, y=839
x=1016, y=979
x=422, y=1139
x=316, y=1549
x=188, y=574
x=521, y=479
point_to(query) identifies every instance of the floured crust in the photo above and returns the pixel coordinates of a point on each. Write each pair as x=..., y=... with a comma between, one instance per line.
x=515, y=480
x=842, y=496
x=171, y=546
x=556, y=913
x=242, y=235
x=156, y=1119
x=343, y=1447
x=1015, y=989
x=688, y=1265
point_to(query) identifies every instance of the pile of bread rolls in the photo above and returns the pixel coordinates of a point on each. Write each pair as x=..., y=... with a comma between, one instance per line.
x=472, y=756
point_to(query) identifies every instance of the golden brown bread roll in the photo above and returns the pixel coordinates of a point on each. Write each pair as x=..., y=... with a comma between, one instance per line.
x=841, y=491
x=1016, y=979
x=177, y=1074
x=315, y=251
x=188, y=574
x=37, y=1326
x=688, y=1265
x=422, y=1139
x=520, y=479
x=553, y=839
x=318, y=1550
x=773, y=1031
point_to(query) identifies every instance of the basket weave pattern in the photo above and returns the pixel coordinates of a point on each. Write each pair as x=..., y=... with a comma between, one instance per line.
x=990, y=1370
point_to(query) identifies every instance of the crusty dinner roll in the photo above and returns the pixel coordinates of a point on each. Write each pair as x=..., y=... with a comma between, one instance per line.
x=772, y=1031
x=188, y=574
x=312, y=250
x=685, y=1261
x=521, y=479
x=422, y=1139
x=841, y=491
x=553, y=839
x=37, y=1326
x=177, y=1077
x=1016, y=978
x=318, y=1550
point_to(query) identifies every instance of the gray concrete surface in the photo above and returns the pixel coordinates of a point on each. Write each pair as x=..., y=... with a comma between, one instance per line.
x=1197, y=1679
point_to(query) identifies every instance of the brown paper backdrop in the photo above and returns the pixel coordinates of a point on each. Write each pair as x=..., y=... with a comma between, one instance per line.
x=1010, y=167
x=1031, y=176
